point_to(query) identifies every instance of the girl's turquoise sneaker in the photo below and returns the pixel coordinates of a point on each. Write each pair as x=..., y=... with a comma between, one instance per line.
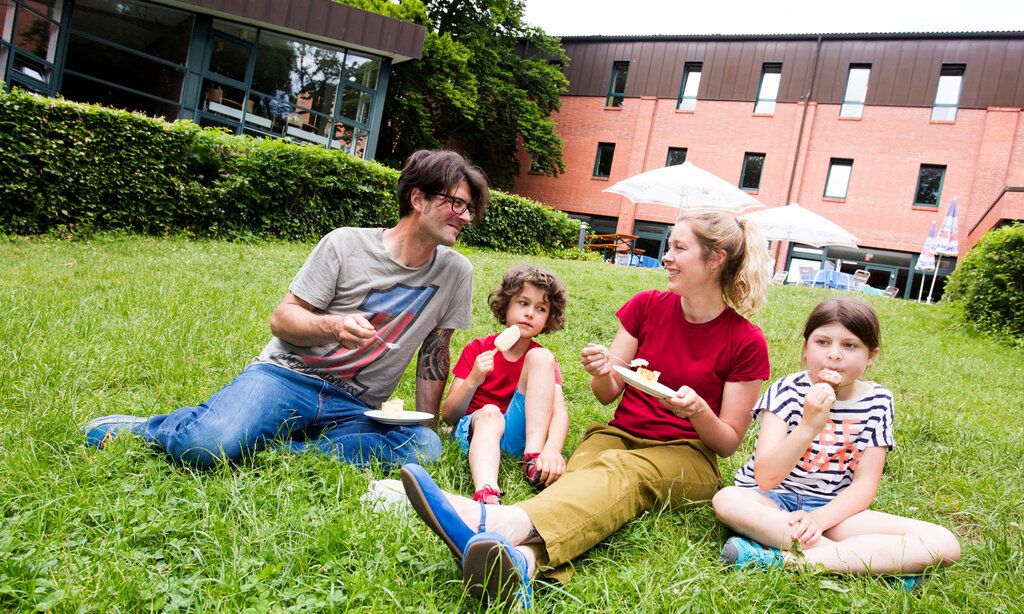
x=740, y=552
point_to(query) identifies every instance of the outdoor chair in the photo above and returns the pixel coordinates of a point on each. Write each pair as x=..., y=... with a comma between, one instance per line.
x=892, y=291
x=860, y=279
x=780, y=277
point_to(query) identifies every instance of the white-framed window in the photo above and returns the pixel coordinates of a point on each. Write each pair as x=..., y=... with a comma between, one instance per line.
x=768, y=89
x=947, y=94
x=856, y=90
x=838, y=181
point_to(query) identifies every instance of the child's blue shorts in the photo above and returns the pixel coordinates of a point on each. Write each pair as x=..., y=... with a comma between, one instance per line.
x=791, y=501
x=513, y=440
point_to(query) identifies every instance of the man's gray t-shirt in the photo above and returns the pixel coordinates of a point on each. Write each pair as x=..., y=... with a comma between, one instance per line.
x=350, y=271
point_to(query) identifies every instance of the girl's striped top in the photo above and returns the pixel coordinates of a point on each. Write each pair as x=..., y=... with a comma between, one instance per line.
x=827, y=467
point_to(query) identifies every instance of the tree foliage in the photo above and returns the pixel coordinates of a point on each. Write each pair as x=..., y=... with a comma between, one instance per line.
x=472, y=90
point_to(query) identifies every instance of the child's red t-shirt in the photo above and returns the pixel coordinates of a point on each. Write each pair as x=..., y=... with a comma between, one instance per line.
x=500, y=384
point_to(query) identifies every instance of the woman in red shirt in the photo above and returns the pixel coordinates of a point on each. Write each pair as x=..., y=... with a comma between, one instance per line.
x=655, y=451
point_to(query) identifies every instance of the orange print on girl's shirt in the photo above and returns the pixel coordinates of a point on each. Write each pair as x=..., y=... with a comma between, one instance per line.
x=839, y=446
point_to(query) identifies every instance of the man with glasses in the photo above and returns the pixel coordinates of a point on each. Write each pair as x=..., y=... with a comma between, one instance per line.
x=353, y=317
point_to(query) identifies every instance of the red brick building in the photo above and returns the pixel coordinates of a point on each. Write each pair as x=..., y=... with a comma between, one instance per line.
x=875, y=132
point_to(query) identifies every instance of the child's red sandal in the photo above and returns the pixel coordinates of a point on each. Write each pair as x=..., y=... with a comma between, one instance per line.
x=488, y=495
x=530, y=471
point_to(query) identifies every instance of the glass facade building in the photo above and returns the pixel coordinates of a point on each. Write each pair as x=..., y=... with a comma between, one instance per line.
x=175, y=63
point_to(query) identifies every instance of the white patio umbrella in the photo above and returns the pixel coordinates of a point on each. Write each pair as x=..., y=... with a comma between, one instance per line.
x=926, y=261
x=794, y=223
x=946, y=243
x=684, y=186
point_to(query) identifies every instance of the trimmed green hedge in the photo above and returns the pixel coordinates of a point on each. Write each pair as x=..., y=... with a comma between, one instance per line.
x=84, y=168
x=987, y=287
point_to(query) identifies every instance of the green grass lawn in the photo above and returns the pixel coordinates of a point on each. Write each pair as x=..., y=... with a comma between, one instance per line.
x=140, y=325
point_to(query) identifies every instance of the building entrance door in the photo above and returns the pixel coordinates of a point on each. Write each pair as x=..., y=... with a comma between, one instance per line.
x=881, y=276
x=652, y=238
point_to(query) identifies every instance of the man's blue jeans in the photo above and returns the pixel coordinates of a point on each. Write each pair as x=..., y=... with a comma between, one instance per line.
x=267, y=404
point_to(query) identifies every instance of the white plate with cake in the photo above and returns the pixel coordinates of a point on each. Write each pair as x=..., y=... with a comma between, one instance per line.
x=393, y=412
x=650, y=386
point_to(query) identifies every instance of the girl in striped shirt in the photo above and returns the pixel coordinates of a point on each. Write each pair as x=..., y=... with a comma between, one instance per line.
x=803, y=498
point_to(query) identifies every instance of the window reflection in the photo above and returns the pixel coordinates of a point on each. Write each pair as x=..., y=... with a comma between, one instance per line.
x=6, y=19
x=146, y=28
x=301, y=74
x=36, y=35
x=363, y=71
x=230, y=58
x=352, y=140
x=95, y=59
x=355, y=105
x=244, y=33
x=31, y=67
x=87, y=90
x=50, y=8
x=127, y=54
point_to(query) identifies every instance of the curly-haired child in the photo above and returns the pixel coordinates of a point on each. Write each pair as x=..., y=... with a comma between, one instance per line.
x=511, y=401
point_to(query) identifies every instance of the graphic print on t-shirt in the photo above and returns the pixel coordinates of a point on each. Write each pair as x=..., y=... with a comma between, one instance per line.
x=834, y=445
x=392, y=312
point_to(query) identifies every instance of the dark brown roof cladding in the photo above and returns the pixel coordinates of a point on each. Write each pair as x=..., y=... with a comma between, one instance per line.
x=904, y=69
x=803, y=36
x=326, y=21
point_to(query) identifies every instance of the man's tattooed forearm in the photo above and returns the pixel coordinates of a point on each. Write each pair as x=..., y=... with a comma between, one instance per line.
x=435, y=355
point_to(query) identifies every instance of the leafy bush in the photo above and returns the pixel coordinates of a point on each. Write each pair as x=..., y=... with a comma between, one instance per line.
x=75, y=168
x=988, y=285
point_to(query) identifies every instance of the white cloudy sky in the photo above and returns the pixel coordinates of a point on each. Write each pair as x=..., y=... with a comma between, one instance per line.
x=581, y=17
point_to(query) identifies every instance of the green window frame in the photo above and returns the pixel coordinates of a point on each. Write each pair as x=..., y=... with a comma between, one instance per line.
x=750, y=174
x=689, y=86
x=768, y=88
x=675, y=156
x=155, y=82
x=340, y=115
x=30, y=42
x=929, y=185
x=837, y=183
x=603, y=159
x=617, y=85
x=947, y=92
x=856, y=90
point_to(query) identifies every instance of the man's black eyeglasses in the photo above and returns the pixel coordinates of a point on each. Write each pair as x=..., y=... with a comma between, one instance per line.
x=457, y=204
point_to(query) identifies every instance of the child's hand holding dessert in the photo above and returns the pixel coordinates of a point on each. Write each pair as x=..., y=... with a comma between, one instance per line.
x=820, y=399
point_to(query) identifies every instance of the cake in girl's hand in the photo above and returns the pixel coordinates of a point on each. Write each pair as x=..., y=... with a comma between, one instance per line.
x=830, y=377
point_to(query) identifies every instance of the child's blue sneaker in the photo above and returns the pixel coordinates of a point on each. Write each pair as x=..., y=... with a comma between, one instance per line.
x=99, y=432
x=493, y=567
x=740, y=552
x=907, y=584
